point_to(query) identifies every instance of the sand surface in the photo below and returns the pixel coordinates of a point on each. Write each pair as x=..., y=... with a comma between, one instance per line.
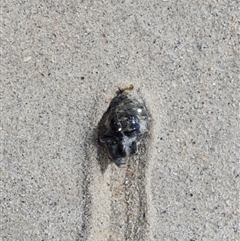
x=61, y=64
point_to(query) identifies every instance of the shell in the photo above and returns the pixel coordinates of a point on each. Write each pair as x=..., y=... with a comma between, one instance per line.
x=123, y=125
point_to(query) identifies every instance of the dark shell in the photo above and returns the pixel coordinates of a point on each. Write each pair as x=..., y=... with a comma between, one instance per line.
x=123, y=126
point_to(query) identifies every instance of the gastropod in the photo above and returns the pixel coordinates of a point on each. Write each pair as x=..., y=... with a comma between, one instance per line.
x=124, y=125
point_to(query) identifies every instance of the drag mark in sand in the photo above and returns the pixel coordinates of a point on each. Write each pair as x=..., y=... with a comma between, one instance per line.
x=115, y=202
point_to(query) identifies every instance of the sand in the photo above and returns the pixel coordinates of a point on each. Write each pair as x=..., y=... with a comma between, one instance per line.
x=61, y=64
